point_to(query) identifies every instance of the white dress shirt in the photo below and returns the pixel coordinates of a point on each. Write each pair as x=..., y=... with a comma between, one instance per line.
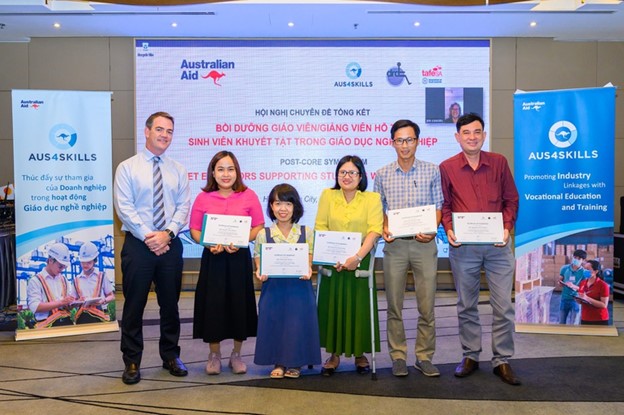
x=134, y=188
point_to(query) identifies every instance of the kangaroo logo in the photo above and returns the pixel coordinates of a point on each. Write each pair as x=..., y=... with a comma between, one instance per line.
x=215, y=76
x=562, y=134
x=63, y=136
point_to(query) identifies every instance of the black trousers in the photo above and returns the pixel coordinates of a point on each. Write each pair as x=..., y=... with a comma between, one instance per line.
x=140, y=268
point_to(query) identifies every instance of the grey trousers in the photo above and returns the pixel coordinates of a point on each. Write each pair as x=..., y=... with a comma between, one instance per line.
x=422, y=258
x=499, y=265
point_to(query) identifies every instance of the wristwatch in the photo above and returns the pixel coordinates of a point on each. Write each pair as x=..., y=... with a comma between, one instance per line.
x=359, y=258
x=170, y=233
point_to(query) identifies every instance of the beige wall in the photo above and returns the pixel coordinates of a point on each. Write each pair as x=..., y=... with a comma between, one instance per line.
x=106, y=64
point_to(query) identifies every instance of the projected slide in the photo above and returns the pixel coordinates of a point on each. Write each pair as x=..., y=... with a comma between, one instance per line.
x=290, y=109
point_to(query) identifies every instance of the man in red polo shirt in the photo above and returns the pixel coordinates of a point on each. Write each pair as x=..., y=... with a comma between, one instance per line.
x=480, y=181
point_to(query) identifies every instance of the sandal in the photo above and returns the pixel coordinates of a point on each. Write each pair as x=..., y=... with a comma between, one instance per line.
x=293, y=373
x=278, y=372
x=330, y=365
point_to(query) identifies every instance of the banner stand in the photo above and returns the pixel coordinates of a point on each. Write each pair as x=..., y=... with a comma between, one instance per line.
x=564, y=141
x=64, y=229
x=74, y=330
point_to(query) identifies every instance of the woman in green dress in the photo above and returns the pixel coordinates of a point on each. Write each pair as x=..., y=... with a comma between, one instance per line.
x=343, y=304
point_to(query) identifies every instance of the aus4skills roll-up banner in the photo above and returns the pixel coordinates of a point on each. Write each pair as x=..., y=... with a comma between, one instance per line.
x=564, y=170
x=64, y=213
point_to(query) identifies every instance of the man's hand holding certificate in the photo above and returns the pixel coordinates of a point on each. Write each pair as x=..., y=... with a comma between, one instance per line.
x=225, y=230
x=412, y=221
x=284, y=260
x=478, y=228
x=331, y=247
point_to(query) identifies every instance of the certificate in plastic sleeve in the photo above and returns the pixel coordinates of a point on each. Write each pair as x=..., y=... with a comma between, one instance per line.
x=331, y=247
x=412, y=221
x=225, y=230
x=478, y=227
x=284, y=260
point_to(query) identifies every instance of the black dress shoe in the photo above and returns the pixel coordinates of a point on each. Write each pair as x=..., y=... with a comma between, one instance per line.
x=466, y=367
x=506, y=374
x=175, y=367
x=131, y=374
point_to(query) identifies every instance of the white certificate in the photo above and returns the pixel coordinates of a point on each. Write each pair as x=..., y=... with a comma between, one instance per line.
x=412, y=221
x=478, y=227
x=331, y=247
x=284, y=260
x=226, y=230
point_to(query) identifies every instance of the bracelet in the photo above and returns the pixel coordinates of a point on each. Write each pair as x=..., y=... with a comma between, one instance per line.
x=359, y=258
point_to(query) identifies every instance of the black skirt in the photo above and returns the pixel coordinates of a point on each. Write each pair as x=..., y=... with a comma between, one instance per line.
x=225, y=301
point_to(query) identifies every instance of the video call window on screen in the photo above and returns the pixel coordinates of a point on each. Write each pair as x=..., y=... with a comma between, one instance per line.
x=445, y=105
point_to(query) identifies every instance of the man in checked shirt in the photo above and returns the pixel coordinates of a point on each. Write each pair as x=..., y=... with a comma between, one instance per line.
x=406, y=183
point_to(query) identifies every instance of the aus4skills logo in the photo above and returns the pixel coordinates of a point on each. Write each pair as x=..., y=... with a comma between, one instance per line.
x=562, y=134
x=63, y=136
x=353, y=70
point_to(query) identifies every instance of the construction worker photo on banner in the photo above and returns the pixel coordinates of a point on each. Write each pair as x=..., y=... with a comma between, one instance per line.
x=65, y=282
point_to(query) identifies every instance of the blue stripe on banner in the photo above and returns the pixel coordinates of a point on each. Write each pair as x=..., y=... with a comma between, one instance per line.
x=529, y=241
x=31, y=240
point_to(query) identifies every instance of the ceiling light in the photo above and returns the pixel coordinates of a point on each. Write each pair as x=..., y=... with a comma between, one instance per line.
x=174, y=24
x=57, y=25
x=416, y=24
x=291, y=24
x=533, y=24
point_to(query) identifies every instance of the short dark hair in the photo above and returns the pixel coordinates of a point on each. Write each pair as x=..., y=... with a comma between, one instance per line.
x=359, y=164
x=468, y=119
x=579, y=253
x=402, y=124
x=150, y=120
x=285, y=192
x=211, y=183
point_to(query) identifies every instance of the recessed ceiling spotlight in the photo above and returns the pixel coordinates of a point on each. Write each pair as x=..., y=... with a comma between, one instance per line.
x=57, y=25
x=416, y=24
x=291, y=24
x=533, y=24
x=174, y=24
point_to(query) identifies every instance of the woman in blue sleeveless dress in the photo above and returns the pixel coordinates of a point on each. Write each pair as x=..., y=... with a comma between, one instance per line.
x=288, y=335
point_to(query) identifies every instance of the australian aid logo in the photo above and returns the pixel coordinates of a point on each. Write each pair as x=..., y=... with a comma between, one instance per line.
x=200, y=70
x=31, y=103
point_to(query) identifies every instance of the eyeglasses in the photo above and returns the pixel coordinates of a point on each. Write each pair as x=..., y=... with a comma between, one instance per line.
x=400, y=141
x=351, y=173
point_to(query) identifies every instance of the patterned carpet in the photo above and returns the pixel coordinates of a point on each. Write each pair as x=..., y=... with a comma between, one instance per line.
x=563, y=379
